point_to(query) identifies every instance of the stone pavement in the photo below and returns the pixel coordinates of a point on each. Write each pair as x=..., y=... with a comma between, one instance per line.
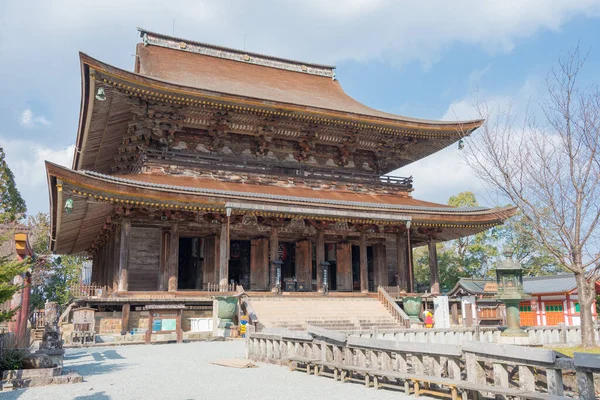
x=182, y=372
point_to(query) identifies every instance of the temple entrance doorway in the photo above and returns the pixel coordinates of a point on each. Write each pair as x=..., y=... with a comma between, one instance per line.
x=239, y=262
x=356, y=268
x=287, y=254
x=330, y=257
x=190, y=263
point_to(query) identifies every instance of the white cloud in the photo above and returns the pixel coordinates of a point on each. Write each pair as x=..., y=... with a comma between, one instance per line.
x=29, y=120
x=325, y=31
x=27, y=159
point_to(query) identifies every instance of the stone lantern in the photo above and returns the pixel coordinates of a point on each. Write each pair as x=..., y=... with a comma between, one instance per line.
x=509, y=277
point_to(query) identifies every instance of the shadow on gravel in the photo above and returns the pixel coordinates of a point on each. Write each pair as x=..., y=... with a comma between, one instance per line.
x=107, y=355
x=95, y=396
x=96, y=368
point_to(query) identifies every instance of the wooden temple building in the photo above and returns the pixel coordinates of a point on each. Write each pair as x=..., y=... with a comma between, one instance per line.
x=208, y=166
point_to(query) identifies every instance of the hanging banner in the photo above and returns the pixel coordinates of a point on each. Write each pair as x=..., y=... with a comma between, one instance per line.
x=282, y=251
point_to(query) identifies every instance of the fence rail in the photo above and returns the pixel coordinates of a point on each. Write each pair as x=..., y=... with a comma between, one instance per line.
x=88, y=290
x=519, y=372
x=390, y=304
x=215, y=287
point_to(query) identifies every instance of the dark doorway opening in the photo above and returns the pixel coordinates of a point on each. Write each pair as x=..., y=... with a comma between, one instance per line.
x=190, y=263
x=356, y=268
x=239, y=262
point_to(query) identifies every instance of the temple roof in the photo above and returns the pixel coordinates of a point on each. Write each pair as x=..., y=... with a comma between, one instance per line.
x=95, y=196
x=194, y=75
x=537, y=285
x=238, y=73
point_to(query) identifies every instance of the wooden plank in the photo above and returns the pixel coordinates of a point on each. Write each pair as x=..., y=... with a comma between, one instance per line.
x=334, y=336
x=117, y=251
x=380, y=265
x=364, y=277
x=163, y=274
x=434, y=274
x=259, y=264
x=124, y=256
x=173, y=260
x=211, y=260
x=320, y=257
x=144, y=258
x=587, y=360
x=519, y=353
x=343, y=258
x=224, y=256
x=273, y=255
x=407, y=347
x=304, y=262
x=125, y=318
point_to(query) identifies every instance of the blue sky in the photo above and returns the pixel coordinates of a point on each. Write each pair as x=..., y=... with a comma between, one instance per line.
x=420, y=60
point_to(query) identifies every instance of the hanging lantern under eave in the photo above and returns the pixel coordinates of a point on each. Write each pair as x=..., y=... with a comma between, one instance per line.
x=461, y=144
x=69, y=206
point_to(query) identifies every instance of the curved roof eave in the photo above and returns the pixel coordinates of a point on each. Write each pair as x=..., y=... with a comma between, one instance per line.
x=157, y=84
x=97, y=178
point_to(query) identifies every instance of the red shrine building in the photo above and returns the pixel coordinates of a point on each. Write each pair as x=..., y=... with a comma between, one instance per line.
x=207, y=167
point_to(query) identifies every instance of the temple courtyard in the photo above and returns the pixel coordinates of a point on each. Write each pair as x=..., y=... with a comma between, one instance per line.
x=183, y=371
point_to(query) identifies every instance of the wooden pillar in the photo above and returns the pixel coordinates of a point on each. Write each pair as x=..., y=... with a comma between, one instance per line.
x=224, y=256
x=364, y=277
x=320, y=257
x=163, y=274
x=173, y=260
x=434, y=274
x=304, y=262
x=211, y=260
x=116, y=253
x=402, y=261
x=125, y=318
x=343, y=258
x=411, y=267
x=380, y=265
x=273, y=256
x=124, y=256
x=259, y=264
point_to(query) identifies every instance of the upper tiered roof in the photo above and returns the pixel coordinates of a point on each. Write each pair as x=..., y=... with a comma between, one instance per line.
x=252, y=75
x=192, y=74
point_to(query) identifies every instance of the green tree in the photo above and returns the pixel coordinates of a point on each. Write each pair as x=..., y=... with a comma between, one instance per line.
x=12, y=208
x=528, y=250
x=53, y=278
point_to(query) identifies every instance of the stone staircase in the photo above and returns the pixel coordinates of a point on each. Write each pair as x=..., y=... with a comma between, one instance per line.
x=334, y=313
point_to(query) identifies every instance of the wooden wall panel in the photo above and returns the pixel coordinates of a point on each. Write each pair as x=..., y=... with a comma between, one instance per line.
x=304, y=262
x=344, y=267
x=144, y=258
x=259, y=264
x=211, y=260
x=380, y=265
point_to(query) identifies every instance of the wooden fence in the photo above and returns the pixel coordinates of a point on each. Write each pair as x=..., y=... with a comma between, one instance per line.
x=447, y=370
x=215, y=287
x=82, y=290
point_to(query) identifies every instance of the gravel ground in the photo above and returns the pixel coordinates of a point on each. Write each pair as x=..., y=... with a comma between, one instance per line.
x=182, y=371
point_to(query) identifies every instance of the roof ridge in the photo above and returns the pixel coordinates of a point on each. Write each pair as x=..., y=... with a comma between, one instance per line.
x=181, y=44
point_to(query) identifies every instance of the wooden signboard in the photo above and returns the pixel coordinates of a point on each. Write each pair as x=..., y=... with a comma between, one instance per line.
x=164, y=319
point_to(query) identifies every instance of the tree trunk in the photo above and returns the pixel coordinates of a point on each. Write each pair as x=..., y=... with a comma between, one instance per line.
x=586, y=294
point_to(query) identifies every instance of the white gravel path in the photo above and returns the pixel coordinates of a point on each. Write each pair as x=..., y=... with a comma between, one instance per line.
x=182, y=371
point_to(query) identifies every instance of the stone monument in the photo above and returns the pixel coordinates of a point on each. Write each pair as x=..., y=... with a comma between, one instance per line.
x=51, y=344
